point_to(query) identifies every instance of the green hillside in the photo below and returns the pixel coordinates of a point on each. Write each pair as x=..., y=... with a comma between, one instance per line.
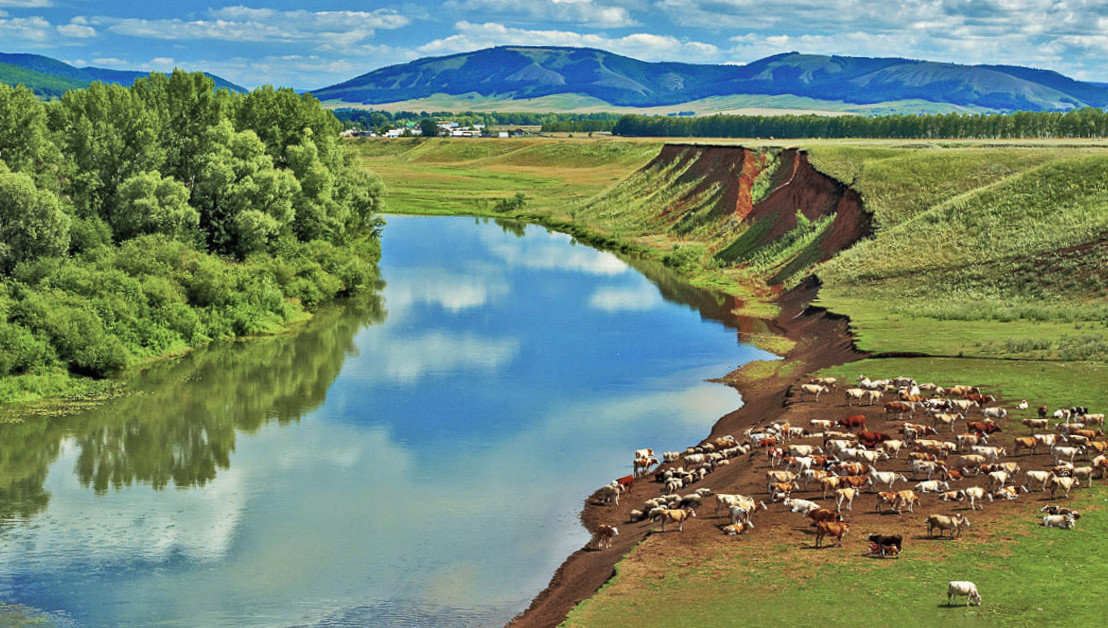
x=43, y=85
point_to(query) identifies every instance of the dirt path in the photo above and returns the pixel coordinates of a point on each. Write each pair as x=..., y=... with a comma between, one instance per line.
x=822, y=340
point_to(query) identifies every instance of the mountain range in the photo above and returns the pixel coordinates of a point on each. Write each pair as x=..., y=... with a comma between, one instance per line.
x=50, y=78
x=517, y=73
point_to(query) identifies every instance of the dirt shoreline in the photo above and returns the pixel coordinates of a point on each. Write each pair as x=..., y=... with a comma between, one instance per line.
x=822, y=339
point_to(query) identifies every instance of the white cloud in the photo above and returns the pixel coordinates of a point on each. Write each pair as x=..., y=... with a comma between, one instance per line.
x=613, y=299
x=25, y=29
x=550, y=253
x=470, y=36
x=78, y=27
x=451, y=291
x=25, y=4
x=245, y=24
x=585, y=13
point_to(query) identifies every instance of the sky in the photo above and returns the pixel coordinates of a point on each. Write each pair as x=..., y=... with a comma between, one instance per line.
x=313, y=43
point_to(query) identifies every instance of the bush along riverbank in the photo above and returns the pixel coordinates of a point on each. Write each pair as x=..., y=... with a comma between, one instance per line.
x=141, y=222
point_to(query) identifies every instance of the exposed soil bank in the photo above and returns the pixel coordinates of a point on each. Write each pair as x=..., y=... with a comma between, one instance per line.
x=822, y=339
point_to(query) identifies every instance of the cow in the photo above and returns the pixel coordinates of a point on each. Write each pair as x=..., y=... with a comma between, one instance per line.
x=884, y=477
x=1025, y=442
x=1036, y=424
x=852, y=422
x=831, y=528
x=778, y=476
x=783, y=489
x=1064, y=522
x=924, y=467
x=946, y=418
x=906, y=498
x=1043, y=477
x=898, y=408
x=845, y=495
x=975, y=495
x=854, y=394
x=872, y=397
x=1008, y=492
x=1061, y=483
x=885, y=544
x=642, y=465
x=829, y=484
x=963, y=405
x=813, y=389
x=872, y=439
x=604, y=535
x=943, y=523
x=886, y=497
x=853, y=481
x=953, y=496
x=823, y=515
x=892, y=447
x=983, y=427
x=962, y=587
x=736, y=529
x=677, y=516
x=800, y=505
x=932, y=486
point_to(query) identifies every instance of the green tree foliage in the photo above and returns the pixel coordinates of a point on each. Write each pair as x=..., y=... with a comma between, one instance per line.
x=136, y=222
x=150, y=203
x=1087, y=122
x=428, y=127
x=32, y=223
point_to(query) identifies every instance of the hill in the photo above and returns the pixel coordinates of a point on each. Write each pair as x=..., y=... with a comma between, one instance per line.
x=520, y=73
x=50, y=78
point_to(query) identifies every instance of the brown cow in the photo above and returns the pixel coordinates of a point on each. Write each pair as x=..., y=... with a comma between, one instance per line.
x=854, y=468
x=1025, y=442
x=831, y=528
x=856, y=481
x=818, y=515
x=983, y=427
x=906, y=498
x=872, y=439
x=898, y=408
x=851, y=422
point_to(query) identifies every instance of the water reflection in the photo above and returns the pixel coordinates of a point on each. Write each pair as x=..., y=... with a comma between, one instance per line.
x=426, y=466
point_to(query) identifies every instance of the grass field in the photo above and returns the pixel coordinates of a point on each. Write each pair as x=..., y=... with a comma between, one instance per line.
x=1027, y=574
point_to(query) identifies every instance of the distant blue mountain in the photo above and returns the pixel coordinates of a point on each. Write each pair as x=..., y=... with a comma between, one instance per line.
x=516, y=72
x=50, y=78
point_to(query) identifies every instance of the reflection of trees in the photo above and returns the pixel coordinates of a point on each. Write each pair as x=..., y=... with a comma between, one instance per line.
x=179, y=425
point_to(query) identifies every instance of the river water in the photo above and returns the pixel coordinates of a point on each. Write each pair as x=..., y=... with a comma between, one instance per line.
x=415, y=458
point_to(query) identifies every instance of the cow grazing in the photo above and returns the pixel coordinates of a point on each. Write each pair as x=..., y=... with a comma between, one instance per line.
x=677, y=516
x=944, y=523
x=831, y=528
x=958, y=588
x=604, y=535
x=1025, y=442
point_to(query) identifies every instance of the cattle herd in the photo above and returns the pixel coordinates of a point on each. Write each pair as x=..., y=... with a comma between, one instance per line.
x=943, y=445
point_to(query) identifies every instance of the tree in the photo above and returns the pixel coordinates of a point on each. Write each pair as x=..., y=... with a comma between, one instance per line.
x=149, y=203
x=428, y=127
x=244, y=202
x=25, y=143
x=108, y=135
x=32, y=222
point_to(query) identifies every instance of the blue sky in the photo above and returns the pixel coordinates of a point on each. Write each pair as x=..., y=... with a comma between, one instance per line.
x=313, y=43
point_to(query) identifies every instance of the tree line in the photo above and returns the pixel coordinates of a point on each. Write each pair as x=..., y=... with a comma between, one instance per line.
x=382, y=120
x=1079, y=123
x=138, y=221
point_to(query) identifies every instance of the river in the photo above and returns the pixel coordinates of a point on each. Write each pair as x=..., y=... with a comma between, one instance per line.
x=418, y=457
